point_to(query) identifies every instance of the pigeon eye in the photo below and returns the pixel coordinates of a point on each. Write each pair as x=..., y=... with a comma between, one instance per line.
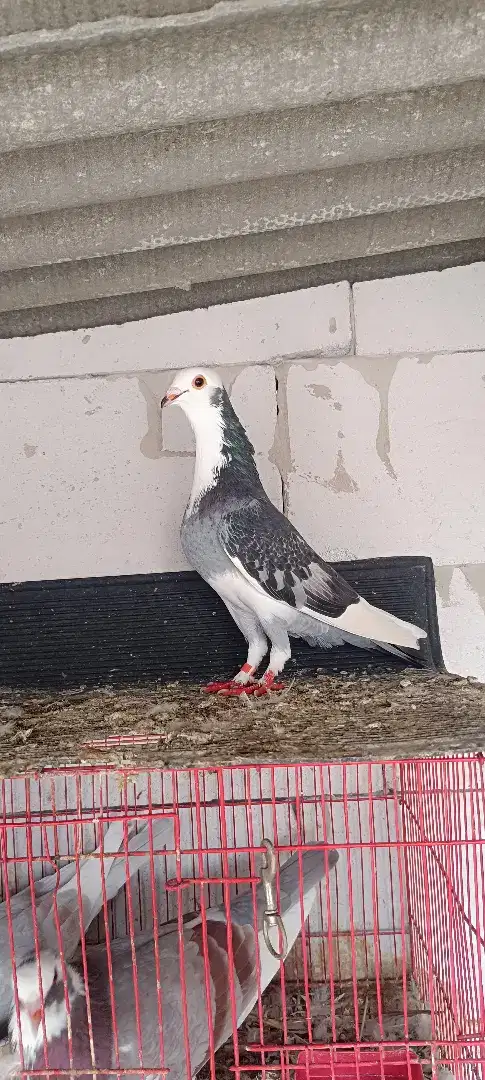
x=199, y=382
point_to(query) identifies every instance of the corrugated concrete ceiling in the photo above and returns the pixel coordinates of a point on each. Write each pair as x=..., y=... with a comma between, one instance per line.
x=158, y=154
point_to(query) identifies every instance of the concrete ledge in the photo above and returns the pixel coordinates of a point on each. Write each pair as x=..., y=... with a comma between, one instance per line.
x=180, y=267
x=131, y=307
x=165, y=145
x=325, y=719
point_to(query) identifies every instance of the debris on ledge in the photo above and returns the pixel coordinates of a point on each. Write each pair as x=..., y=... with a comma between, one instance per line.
x=326, y=718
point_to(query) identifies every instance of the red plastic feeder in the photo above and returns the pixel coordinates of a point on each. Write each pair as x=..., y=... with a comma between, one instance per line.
x=391, y=1063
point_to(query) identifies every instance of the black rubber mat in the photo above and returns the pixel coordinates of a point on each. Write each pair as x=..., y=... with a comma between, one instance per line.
x=166, y=627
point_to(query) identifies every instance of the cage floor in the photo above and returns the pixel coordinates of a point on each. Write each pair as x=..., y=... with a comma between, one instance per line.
x=381, y=1016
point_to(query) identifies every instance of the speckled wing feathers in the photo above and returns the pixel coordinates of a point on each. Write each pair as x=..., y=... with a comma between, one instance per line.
x=279, y=560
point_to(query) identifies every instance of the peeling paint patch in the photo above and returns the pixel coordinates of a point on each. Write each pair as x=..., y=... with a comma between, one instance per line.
x=341, y=482
x=153, y=388
x=461, y=614
x=443, y=576
x=280, y=453
x=379, y=373
x=323, y=392
x=30, y=450
x=474, y=574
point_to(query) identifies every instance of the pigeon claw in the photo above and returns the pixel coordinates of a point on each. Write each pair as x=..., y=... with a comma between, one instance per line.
x=257, y=689
x=267, y=684
x=235, y=689
x=218, y=687
x=237, y=684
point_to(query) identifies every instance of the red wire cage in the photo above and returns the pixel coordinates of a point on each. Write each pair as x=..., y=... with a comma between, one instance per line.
x=386, y=977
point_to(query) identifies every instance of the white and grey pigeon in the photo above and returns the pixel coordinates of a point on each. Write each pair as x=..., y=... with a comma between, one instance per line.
x=239, y=958
x=113, y=867
x=274, y=585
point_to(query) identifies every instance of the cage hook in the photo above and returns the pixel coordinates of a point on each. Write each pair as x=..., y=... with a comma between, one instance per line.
x=271, y=916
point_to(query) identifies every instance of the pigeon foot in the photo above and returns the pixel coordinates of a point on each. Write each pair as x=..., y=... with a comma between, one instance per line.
x=234, y=688
x=243, y=678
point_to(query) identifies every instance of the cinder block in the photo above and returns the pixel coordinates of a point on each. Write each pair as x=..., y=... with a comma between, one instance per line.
x=83, y=498
x=88, y=489
x=442, y=310
x=306, y=322
x=387, y=456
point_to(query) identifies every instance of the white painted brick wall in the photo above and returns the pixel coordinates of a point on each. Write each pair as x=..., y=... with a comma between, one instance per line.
x=442, y=311
x=314, y=322
x=389, y=459
x=380, y=451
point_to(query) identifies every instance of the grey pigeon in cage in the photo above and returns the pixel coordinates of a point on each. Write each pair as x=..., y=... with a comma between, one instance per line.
x=113, y=866
x=165, y=1005
x=272, y=582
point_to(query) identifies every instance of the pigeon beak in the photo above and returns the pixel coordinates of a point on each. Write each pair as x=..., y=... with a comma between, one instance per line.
x=171, y=395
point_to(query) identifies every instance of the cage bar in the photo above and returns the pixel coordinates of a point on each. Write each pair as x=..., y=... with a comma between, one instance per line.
x=387, y=974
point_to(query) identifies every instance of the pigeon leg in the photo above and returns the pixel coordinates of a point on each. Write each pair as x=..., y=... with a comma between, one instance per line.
x=237, y=685
x=280, y=653
x=243, y=682
x=256, y=688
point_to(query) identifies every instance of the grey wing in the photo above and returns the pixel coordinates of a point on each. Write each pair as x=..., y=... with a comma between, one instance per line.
x=24, y=947
x=161, y=1048
x=270, y=551
x=199, y=993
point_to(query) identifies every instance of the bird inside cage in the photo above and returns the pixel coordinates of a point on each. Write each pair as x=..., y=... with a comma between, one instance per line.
x=161, y=1002
x=52, y=912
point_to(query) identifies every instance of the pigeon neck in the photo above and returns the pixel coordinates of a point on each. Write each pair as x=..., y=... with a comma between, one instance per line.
x=224, y=454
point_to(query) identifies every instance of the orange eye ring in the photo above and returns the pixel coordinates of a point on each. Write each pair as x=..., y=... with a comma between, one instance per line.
x=199, y=382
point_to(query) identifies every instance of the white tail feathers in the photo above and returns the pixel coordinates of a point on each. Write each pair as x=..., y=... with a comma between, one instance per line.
x=365, y=621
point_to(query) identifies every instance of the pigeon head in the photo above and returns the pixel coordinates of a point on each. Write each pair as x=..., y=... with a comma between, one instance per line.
x=224, y=454
x=42, y=999
x=196, y=391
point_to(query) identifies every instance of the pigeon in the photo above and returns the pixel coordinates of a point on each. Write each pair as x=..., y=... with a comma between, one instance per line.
x=151, y=1035
x=9, y=1060
x=272, y=582
x=64, y=886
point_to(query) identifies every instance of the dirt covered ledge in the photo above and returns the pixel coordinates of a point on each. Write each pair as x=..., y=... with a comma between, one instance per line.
x=326, y=718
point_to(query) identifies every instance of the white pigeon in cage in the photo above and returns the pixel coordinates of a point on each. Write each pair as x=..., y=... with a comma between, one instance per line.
x=112, y=863
x=221, y=971
x=272, y=582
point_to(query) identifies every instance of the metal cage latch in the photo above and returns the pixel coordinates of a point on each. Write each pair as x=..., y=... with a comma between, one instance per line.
x=272, y=917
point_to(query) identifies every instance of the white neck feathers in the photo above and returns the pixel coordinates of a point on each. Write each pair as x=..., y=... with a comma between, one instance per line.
x=207, y=427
